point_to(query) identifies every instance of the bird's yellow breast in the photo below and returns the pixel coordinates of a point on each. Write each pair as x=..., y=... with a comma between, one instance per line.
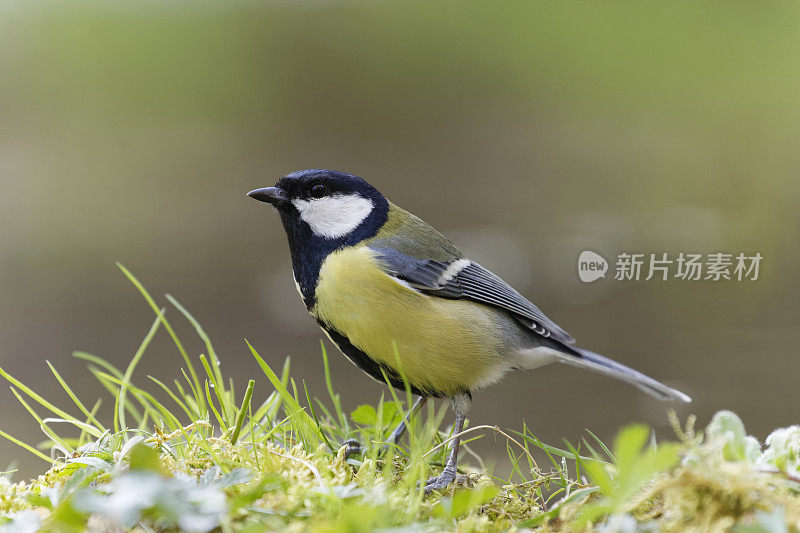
x=443, y=346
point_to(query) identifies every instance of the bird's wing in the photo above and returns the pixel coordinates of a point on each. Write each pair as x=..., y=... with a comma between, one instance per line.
x=465, y=279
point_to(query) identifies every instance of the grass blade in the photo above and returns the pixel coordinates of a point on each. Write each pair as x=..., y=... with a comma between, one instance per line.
x=212, y=355
x=219, y=391
x=99, y=361
x=41, y=401
x=59, y=442
x=214, y=409
x=75, y=399
x=248, y=395
x=31, y=449
x=113, y=390
x=119, y=409
x=303, y=420
x=174, y=396
x=167, y=326
x=601, y=444
x=147, y=401
x=335, y=399
x=316, y=420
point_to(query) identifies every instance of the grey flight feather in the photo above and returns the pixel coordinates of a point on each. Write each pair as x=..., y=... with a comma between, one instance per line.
x=464, y=279
x=469, y=280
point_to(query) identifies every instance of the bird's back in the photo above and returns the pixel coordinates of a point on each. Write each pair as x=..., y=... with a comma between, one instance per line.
x=409, y=234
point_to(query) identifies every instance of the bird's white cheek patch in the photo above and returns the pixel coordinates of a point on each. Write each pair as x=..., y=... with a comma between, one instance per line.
x=334, y=216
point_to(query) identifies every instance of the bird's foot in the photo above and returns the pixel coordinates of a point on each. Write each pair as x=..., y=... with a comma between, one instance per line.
x=442, y=481
x=352, y=447
x=383, y=450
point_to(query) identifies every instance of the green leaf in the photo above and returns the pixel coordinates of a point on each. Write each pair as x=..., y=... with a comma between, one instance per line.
x=554, y=512
x=272, y=482
x=365, y=415
x=464, y=501
x=728, y=428
x=94, y=462
x=628, y=444
x=145, y=458
x=636, y=464
x=390, y=414
x=599, y=475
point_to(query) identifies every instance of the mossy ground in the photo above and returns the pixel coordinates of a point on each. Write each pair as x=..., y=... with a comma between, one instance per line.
x=196, y=456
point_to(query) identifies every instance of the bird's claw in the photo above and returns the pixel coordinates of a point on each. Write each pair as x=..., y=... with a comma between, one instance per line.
x=442, y=481
x=352, y=447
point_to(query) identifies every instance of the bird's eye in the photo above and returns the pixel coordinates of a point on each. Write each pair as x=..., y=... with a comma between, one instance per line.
x=318, y=190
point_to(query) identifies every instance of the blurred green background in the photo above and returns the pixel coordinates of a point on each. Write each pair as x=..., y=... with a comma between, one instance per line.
x=526, y=131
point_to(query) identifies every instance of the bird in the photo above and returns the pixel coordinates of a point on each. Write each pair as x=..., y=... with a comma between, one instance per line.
x=405, y=305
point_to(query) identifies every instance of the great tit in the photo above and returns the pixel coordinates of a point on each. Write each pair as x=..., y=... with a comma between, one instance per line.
x=400, y=300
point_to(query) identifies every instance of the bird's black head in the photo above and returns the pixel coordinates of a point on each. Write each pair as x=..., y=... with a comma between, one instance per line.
x=323, y=210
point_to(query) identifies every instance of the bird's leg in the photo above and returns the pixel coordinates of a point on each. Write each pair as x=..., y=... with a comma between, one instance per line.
x=461, y=404
x=400, y=430
x=354, y=447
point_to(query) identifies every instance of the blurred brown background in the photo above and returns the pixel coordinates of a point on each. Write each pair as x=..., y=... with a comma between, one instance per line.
x=527, y=132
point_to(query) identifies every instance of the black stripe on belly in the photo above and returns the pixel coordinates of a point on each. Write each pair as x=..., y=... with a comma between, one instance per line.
x=369, y=365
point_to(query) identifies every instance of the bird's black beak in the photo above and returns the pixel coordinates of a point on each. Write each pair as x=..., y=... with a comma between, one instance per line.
x=270, y=195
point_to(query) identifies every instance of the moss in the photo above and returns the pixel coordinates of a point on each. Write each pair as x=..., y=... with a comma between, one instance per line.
x=216, y=463
x=303, y=490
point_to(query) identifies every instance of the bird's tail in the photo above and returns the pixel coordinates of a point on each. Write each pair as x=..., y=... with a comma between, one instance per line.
x=593, y=361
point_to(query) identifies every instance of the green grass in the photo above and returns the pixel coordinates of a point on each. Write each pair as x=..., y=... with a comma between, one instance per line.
x=199, y=454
